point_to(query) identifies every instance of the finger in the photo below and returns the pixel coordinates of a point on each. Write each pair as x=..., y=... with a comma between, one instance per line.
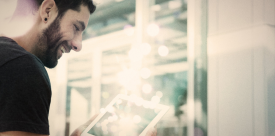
x=90, y=120
x=81, y=128
x=152, y=132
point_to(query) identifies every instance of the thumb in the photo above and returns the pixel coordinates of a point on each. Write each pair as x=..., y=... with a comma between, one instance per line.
x=81, y=128
x=152, y=132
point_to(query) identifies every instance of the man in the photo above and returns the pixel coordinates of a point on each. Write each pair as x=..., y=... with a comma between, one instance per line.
x=25, y=90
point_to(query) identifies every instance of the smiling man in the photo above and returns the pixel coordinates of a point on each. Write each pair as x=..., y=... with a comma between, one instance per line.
x=25, y=89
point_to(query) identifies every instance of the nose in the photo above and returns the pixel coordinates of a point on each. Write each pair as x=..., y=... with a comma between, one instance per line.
x=77, y=43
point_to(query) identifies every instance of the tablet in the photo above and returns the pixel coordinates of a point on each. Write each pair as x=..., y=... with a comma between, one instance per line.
x=126, y=116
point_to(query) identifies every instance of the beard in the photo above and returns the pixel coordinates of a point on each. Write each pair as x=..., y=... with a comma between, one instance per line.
x=48, y=44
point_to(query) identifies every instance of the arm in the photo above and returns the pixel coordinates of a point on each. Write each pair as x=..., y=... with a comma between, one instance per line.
x=24, y=98
x=79, y=130
x=19, y=133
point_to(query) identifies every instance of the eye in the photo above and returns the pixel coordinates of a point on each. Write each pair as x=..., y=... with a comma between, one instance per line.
x=76, y=28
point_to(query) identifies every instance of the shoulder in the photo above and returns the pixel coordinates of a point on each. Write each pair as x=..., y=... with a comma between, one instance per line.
x=14, y=58
x=9, y=50
x=19, y=66
x=25, y=70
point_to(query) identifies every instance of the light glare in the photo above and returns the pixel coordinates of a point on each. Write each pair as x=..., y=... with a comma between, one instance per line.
x=113, y=128
x=163, y=51
x=155, y=99
x=136, y=119
x=153, y=30
x=129, y=79
x=147, y=88
x=146, y=48
x=159, y=94
x=138, y=101
x=145, y=73
x=135, y=54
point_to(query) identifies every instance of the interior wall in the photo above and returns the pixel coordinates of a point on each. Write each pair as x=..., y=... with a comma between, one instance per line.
x=241, y=67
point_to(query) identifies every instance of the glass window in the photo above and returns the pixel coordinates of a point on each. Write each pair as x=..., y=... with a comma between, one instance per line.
x=147, y=58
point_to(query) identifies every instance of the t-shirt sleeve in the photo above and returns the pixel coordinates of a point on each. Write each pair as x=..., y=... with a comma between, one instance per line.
x=25, y=96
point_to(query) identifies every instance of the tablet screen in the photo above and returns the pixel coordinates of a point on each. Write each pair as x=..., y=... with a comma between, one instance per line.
x=124, y=118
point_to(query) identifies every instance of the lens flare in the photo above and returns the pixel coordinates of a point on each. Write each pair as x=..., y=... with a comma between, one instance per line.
x=145, y=73
x=155, y=99
x=163, y=51
x=145, y=48
x=136, y=119
x=147, y=88
x=153, y=30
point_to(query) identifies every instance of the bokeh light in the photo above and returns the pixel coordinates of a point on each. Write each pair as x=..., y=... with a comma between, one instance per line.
x=139, y=101
x=159, y=94
x=153, y=30
x=145, y=73
x=125, y=121
x=115, y=117
x=113, y=128
x=105, y=95
x=133, y=97
x=145, y=48
x=129, y=79
x=147, y=88
x=163, y=50
x=146, y=104
x=155, y=99
x=136, y=119
x=135, y=54
x=110, y=119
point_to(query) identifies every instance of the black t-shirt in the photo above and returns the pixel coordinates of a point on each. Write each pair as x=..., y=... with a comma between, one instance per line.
x=25, y=90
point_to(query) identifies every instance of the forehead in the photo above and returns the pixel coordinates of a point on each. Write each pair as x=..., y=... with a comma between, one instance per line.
x=82, y=15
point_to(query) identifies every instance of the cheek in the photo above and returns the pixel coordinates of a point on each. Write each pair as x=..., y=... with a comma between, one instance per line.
x=68, y=35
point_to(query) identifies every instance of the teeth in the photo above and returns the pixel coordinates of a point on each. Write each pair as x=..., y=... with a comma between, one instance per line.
x=62, y=49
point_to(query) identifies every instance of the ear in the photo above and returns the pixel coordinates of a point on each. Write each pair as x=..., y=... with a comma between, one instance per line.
x=48, y=11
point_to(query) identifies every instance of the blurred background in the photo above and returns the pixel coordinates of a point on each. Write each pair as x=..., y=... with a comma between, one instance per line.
x=135, y=47
x=211, y=61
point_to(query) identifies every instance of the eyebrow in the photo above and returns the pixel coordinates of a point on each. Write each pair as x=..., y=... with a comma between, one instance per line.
x=82, y=25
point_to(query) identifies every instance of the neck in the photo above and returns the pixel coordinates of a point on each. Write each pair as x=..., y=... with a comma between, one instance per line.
x=27, y=41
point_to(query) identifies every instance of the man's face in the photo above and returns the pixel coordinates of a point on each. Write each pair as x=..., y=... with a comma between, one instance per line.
x=61, y=36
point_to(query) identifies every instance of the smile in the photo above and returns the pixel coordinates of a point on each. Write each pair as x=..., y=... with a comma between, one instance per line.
x=63, y=49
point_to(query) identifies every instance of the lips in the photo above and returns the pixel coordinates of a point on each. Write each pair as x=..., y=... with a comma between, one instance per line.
x=63, y=48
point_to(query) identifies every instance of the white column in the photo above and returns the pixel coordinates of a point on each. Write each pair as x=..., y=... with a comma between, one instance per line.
x=96, y=82
x=57, y=115
x=241, y=68
x=197, y=61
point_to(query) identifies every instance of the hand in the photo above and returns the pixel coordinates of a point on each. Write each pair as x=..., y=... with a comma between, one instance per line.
x=152, y=132
x=81, y=128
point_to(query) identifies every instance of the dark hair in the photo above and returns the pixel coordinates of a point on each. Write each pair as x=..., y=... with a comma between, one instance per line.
x=64, y=5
